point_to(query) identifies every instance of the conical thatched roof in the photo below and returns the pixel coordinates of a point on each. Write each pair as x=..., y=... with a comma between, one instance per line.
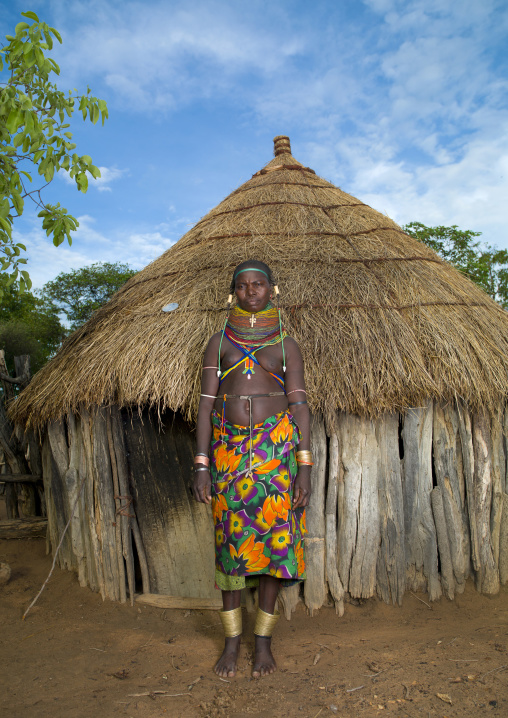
x=383, y=322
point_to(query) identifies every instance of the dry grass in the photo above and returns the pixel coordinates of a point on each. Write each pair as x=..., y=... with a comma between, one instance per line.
x=383, y=323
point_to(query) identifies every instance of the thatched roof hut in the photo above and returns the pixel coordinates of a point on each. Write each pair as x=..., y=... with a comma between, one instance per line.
x=406, y=366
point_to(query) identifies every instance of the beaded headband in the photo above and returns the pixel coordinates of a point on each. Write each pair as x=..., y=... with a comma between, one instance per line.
x=252, y=269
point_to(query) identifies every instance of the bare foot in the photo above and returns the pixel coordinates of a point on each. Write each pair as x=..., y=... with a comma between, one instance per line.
x=226, y=665
x=264, y=662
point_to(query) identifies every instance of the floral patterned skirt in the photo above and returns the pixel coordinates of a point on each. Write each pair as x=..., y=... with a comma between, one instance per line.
x=256, y=530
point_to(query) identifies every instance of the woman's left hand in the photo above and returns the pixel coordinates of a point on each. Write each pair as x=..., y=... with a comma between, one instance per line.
x=302, y=487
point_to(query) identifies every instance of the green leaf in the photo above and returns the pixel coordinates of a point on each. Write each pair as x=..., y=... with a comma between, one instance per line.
x=86, y=159
x=30, y=15
x=21, y=26
x=56, y=34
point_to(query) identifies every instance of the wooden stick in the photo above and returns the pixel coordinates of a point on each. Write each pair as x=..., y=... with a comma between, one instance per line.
x=56, y=552
x=332, y=573
x=123, y=480
x=118, y=527
x=161, y=601
x=34, y=527
x=20, y=478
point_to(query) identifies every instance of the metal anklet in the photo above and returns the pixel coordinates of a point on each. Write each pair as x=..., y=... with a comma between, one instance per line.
x=232, y=622
x=265, y=623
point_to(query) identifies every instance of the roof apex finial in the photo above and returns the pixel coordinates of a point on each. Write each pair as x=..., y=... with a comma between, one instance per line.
x=282, y=145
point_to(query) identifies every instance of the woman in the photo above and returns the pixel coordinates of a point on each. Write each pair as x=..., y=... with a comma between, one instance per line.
x=253, y=413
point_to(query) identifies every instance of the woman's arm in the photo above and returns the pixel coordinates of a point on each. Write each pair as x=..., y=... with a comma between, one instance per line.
x=295, y=391
x=209, y=386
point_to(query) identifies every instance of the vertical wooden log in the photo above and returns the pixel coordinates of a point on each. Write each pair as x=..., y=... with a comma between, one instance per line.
x=289, y=596
x=118, y=508
x=420, y=532
x=466, y=440
x=447, y=577
x=332, y=573
x=487, y=578
x=503, y=543
x=498, y=474
x=358, y=511
x=86, y=501
x=57, y=490
x=73, y=485
x=127, y=509
x=90, y=494
x=505, y=446
x=105, y=505
x=446, y=466
x=391, y=562
x=315, y=586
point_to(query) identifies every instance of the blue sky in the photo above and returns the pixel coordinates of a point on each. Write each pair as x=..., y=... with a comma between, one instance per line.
x=403, y=104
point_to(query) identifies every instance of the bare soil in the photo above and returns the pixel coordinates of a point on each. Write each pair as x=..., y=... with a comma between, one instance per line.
x=77, y=655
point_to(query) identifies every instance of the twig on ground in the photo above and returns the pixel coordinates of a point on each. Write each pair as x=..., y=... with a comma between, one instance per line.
x=351, y=690
x=421, y=600
x=97, y=649
x=57, y=550
x=494, y=670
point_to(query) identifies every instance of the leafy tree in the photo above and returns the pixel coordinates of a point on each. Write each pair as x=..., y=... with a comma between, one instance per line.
x=34, y=136
x=78, y=293
x=487, y=266
x=28, y=325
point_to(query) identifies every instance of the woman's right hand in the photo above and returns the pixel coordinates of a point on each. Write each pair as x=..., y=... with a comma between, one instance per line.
x=202, y=487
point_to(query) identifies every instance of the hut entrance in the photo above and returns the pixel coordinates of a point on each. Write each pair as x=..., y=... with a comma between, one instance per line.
x=177, y=531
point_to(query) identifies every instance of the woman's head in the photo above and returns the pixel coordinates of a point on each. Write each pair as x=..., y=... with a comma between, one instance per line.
x=255, y=265
x=252, y=284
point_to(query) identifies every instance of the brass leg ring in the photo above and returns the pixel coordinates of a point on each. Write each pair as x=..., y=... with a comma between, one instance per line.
x=265, y=623
x=232, y=622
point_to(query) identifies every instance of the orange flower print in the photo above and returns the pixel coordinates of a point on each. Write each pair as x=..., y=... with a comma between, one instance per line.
x=250, y=555
x=267, y=467
x=219, y=504
x=265, y=517
x=226, y=461
x=299, y=557
x=282, y=431
x=280, y=505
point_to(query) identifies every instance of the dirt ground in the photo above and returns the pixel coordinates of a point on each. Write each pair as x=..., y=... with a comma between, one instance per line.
x=77, y=655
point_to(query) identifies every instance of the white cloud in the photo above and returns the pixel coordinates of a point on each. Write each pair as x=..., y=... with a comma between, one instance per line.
x=108, y=175
x=89, y=245
x=155, y=58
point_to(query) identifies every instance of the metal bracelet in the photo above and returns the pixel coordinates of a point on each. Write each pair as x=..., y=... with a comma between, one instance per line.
x=294, y=403
x=204, y=468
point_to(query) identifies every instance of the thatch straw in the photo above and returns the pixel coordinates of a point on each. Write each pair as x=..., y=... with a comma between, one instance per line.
x=382, y=321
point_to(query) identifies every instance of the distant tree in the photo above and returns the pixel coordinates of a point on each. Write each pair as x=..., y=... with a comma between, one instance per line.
x=34, y=137
x=28, y=325
x=487, y=266
x=78, y=293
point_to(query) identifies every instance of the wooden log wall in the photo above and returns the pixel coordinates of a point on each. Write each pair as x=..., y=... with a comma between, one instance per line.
x=414, y=502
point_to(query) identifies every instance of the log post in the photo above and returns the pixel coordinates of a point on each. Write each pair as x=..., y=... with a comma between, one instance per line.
x=90, y=498
x=466, y=441
x=332, y=573
x=446, y=466
x=56, y=492
x=358, y=521
x=487, y=577
x=420, y=532
x=315, y=586
x=498, y=475
x=447, y=577
x=503, y=543
x=391, y=562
